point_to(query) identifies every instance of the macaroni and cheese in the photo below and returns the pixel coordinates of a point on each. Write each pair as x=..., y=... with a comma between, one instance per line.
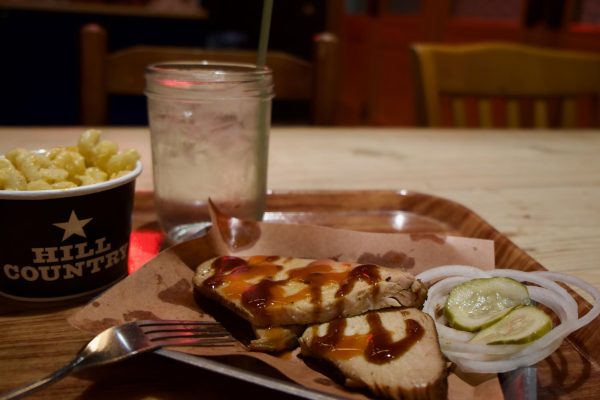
x=91, y=161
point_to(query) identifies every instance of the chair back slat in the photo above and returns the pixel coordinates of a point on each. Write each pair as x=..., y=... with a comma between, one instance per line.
x=126, y=68
x=513, y=117
x=540, y=113
x=484, y=107
x=568, y=112
x=459, y=114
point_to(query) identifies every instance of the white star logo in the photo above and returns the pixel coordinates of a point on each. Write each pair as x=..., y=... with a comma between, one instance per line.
x=74, y=226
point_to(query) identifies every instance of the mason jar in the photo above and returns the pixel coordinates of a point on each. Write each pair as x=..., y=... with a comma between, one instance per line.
x=209, y=125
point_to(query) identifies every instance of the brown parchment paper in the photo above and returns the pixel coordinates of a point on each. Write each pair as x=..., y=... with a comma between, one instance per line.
x=162, y=289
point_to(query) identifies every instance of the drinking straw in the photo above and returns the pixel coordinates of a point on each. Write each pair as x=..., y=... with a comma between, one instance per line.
x=261, y=60
x=263, y=40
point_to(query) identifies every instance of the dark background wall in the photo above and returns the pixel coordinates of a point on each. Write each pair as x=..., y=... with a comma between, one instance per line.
x=39, y=53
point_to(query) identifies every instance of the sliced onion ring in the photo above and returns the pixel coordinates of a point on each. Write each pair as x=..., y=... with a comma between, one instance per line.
x=471, y=357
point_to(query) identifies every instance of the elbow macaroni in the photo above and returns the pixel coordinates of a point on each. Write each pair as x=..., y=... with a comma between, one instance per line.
x=91, y=161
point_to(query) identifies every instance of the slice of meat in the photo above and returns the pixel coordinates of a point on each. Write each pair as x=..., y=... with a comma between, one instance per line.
x=394, y=353
x=279, y=291
x=276, y=339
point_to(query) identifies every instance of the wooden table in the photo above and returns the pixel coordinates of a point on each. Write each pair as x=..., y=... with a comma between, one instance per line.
x=539, y=188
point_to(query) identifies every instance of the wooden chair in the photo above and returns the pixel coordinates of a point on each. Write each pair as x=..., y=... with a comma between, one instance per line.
x=122, y=72
x=502, y=84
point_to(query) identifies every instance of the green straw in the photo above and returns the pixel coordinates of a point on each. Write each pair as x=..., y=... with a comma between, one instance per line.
x=261, y=60
x=265, y=26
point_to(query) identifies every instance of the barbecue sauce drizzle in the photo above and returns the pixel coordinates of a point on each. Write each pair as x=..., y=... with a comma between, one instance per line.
x=377, y=346
x=257, y=297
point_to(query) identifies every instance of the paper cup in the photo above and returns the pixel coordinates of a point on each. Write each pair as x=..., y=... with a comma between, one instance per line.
x=62, y=244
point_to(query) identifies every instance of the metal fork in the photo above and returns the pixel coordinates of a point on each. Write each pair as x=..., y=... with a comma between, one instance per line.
x=126, y=340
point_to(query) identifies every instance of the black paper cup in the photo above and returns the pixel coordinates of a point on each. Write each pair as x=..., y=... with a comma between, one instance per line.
x=62, y=244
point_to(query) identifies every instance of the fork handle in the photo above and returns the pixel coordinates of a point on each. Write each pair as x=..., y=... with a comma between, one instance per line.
x=27, y=389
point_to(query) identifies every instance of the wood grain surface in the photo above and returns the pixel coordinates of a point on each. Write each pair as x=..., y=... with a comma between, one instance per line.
x=38, y=339
x=539, y=191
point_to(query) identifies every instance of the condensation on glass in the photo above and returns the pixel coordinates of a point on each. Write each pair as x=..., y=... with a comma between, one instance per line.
x=209, y=127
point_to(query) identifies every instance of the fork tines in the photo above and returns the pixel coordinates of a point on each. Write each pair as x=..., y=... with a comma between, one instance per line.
x=197, y=333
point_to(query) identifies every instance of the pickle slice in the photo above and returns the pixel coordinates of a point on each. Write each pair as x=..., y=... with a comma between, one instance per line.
x=522, y=325
x=479, y=303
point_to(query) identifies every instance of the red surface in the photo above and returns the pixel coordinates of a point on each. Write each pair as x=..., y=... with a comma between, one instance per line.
x=143, y=245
